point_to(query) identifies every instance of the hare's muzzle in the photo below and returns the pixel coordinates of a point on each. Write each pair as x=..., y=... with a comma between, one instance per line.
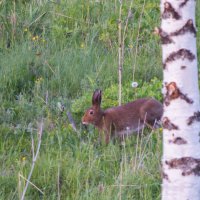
x=83, y=121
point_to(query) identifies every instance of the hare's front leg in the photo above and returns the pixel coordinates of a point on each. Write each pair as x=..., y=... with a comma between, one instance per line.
x=104, y=136
x=107, y=137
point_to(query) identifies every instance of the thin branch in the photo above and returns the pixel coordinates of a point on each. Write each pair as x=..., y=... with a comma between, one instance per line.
x=129, y=16
x=136, y=151
x=68, y=17
x=58, y=181
x=71, y=120
x=59, y=165
x=138, y=33
x=31, y=184
x=38, y=18
x=46, y=97
x=34, y=158
x=121, y=180
x=120, y=57
x=32, y=145
x=50, y=67
x=121, y=40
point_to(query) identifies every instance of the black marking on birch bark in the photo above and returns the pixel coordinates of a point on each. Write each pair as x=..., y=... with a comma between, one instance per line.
x=178, y=141
x=170, y=12
x=195, y=117
x=165, y=176
x=167, y=124
x=199, y=136
x=186, y=98
x=165, y=38
x=188, y=165
x=183, y=3
x=180, y=54
x=183, y=67
x=187, y=28
x=173, y=92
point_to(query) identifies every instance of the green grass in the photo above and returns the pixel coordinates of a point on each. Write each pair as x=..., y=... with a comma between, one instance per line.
x=83, y=168
x=56, y=53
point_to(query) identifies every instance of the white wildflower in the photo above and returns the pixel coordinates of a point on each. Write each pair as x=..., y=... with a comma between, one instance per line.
x=134, y=84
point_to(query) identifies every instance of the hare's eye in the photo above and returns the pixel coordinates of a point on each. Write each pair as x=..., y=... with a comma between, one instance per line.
x=91, y=112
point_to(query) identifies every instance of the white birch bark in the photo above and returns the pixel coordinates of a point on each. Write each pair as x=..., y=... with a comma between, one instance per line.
x=181, y=118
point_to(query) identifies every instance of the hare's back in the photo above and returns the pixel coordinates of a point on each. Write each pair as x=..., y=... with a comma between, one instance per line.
x=151, y=110
x=126, y=116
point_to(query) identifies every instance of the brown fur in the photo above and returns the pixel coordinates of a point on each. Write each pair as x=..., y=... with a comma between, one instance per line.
x=122, y=120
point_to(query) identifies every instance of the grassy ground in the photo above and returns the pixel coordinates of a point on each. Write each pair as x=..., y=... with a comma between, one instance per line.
x=74, y=166
x=56, y=53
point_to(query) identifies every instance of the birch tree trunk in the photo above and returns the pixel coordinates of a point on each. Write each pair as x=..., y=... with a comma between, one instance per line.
x=181, y=119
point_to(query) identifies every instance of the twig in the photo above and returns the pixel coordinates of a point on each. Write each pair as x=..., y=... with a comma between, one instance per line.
x=121, y=179
x=32, y=147
x=144, y=149
x=19, y=185
x=37, y=19
x=129, y=16
x=121, y=40
x=120, y=57
x=138, y=33
x=31, y=183
x=141, y=142
x=50, y=67
x=13, y=21
x=137, y=144
x=34, y=158
x=71, y=120
x=68, y=17
x=135, y=186
x=46, y=97
x=58, y=181
x=59, y=164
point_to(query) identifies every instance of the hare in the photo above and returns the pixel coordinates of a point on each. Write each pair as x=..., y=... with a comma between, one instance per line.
x=122, y=120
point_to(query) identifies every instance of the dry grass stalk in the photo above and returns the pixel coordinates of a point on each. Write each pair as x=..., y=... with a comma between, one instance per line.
x=35, y=156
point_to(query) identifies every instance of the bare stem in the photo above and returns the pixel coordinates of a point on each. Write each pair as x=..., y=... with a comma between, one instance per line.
x=20, y=176
x=71, y=120
x=59, y=165
x=129, y=16
x=46, y=97
x=32, y=147
x=34, y=158
x=121, y=179
x=120, y=57
x=121, y=39
x=138, y=34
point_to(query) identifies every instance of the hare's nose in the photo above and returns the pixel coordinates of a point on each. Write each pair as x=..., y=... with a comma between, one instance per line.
x=84, y=123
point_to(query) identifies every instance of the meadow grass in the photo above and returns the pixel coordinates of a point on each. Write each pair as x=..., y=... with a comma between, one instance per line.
x=72, y=166
x=56, y=53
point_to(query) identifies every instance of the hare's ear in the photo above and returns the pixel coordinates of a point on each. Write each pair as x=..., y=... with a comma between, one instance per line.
x=96, y=98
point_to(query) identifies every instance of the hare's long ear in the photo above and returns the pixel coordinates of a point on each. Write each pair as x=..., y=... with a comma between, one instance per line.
x=96, y=98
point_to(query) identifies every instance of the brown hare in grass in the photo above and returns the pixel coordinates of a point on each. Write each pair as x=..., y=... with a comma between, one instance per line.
x=122, y=120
